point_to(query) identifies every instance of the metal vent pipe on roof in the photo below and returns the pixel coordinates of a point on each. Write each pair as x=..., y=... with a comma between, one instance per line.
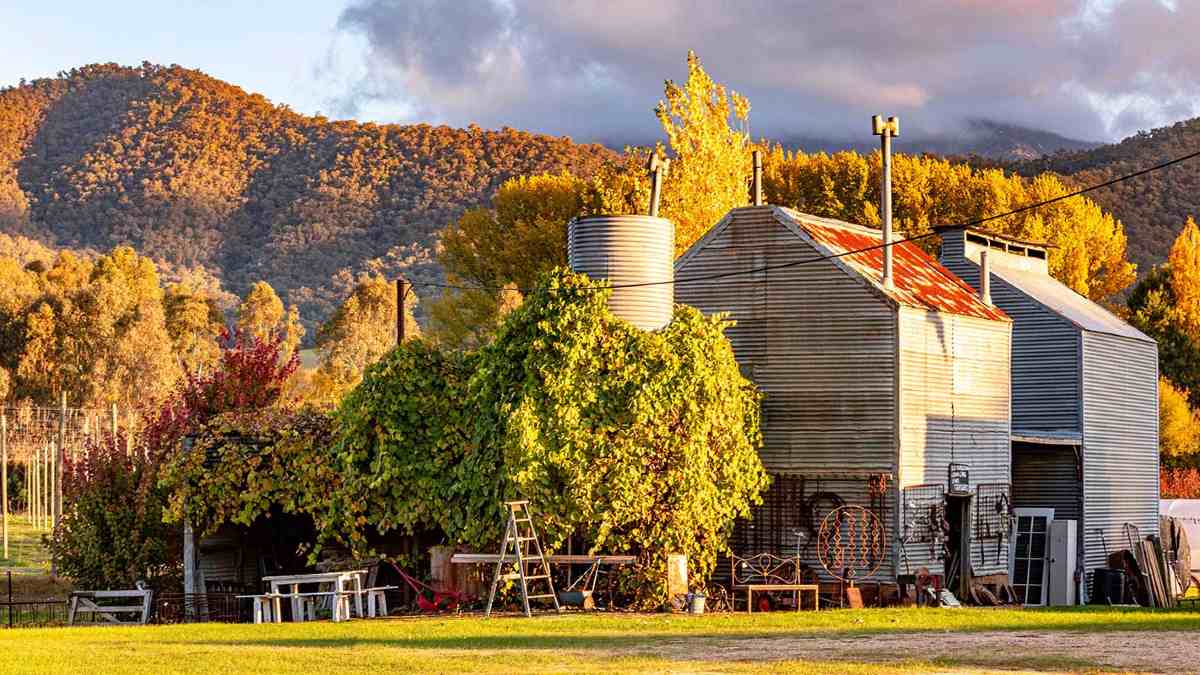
x=886, y=132
x=985, y=279
x=756, y=196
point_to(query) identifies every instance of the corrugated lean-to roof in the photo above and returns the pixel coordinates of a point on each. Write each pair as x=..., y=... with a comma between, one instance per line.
x=1060, y=299
x=919, y=280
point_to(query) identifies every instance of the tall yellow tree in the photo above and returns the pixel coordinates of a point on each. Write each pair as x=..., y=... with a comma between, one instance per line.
x=194, y=322
x=705, y=125
x=1184, y=263
x=361, y=331
x=261, y=314
x=97, y=333
x=521, y=236
x=1178, y=428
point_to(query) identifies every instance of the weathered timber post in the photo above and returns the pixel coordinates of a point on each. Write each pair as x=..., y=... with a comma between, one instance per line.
x=402, y=288
x=189, y=559
x=59, y=456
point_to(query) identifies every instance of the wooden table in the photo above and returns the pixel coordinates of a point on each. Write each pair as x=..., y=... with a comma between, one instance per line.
x=798, y=589
x=289, y=585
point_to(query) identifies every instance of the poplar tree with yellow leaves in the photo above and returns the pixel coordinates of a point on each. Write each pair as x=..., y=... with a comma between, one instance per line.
x=706, y=129
x=261, y=315
x=1178, y=427
x=358, y=334
x=1184, y=264
x=195, y=322
x=1166, y=306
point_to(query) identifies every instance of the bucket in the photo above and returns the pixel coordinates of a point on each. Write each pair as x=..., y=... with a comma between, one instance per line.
x=695, y=603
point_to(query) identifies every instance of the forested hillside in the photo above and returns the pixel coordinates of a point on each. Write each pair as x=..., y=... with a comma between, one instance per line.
x=195, y=172
x=1154, y=207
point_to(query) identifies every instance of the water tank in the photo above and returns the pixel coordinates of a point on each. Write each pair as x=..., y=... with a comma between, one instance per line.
x=628, y=250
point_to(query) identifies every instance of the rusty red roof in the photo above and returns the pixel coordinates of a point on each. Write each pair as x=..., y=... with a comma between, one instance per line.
x=919, y=280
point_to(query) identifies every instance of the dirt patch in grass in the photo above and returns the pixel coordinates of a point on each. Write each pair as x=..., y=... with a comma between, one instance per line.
x=1140, y=651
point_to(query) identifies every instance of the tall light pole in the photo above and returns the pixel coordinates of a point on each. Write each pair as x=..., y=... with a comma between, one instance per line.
x=886, y=132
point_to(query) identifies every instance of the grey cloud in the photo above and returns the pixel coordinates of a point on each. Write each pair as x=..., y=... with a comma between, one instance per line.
x=1093, y=69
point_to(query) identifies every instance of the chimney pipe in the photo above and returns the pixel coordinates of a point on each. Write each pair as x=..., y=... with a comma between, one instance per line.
x=658, y=171
x=886, y=131
x=985, y=279
x=756, y=183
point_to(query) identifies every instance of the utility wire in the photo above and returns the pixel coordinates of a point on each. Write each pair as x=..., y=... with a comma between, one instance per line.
x=805, y=261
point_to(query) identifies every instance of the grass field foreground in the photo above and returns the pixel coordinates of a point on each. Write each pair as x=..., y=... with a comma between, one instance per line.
x=589, y=643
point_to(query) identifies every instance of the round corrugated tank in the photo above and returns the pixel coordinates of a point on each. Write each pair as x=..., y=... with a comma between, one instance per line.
x=628, y=250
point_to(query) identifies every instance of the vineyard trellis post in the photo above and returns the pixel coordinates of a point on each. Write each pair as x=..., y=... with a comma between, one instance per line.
x=4, y=474
x=60, y=455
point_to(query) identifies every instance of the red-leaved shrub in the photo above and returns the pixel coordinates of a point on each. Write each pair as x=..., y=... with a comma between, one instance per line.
x=112, y=534
x=1179, y=483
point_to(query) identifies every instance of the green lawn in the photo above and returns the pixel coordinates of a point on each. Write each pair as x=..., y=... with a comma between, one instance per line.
x=830, y=641
x=25, y=548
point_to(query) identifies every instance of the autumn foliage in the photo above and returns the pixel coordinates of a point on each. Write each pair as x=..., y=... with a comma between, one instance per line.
x=112, y=533
x=1179, y=483
x=252, y=373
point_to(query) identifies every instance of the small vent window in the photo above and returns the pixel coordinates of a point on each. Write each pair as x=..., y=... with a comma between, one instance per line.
x=1037, y=253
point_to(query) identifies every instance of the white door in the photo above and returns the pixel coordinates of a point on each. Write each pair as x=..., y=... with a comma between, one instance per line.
x=1028, y=566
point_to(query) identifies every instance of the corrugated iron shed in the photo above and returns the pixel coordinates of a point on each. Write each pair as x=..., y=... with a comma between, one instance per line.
x=860, y=380
x=1085, y=397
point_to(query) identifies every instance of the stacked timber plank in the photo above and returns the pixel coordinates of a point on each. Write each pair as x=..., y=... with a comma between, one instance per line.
x=1159, y=576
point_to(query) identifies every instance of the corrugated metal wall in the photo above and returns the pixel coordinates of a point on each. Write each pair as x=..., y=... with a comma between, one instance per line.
x=1120, y=435
x=1045, y=350
x=815, y=340
x=791, y=514
x=224, y=556
x=954, y=397
x=1047, y=477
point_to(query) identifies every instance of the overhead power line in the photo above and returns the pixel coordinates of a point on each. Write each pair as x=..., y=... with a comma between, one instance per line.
x=880, y=245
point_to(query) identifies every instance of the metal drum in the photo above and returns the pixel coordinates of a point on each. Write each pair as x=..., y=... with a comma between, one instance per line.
x=628, y=250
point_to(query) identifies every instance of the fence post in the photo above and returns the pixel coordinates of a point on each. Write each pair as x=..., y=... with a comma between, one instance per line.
x=59, y=456
x=35, y=495
x=4, y=477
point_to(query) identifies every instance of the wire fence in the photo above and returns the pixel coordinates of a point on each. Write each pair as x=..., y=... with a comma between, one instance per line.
x=35, y=442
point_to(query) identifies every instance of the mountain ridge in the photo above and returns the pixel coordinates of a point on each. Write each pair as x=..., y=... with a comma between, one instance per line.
x=197, y=172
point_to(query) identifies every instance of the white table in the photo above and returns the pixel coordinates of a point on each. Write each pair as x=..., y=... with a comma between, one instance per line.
x=344, y=583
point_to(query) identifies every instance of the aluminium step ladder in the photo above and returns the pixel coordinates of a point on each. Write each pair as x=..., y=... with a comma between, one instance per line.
x=518, y=536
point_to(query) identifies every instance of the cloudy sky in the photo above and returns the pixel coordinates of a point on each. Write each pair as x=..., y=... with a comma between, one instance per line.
x=1089, y=69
